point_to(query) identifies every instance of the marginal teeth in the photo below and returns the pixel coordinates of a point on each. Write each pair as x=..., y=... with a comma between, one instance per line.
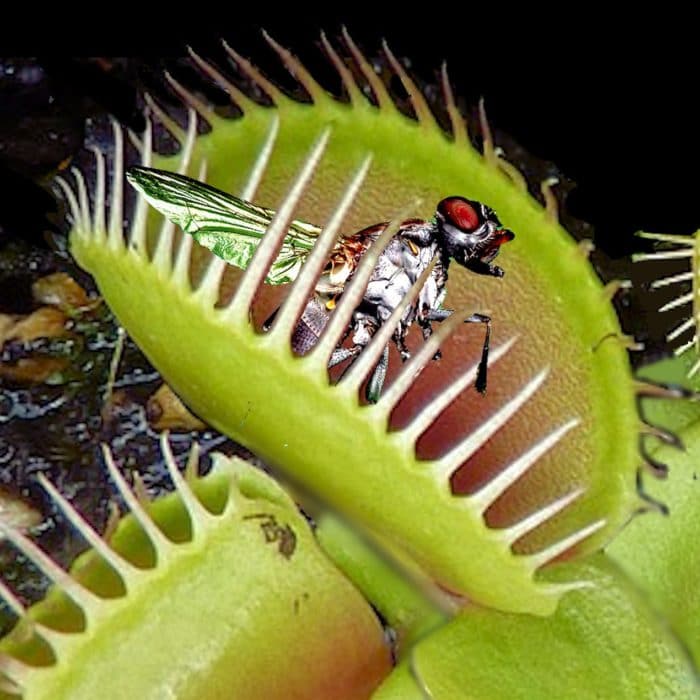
x=82, y=596
x=381, y=94
x=239, y=308
x=12, y=601
x=188, y=143
x=210, y=284
x=445, y=467
x=497, y=486
x=16, y=671
x=665, y=281
x=420, y=105
x=137, y=239
x=685, y=326
x=115, y=238
x=680, y=301
x=171, y=126
x=665, y=255
x=269, y=88
x=82, y=198
x=240, y=99
x=181, y=268
x=261, y=162
x=199, y=515
x=410, y=370
x=694, y=369
x=304, y=285
x=459, y=128
x=72, y=202
x=657, y=468
x=429, y=413
x=204, y=110
x=162, y=257
x=297, y=69
x=553, y=551
x=161, y=544
x=353, y=293
x=686, y=346
x=346, y=76
x=370, y=355
x=534, y=520
x=125, y=568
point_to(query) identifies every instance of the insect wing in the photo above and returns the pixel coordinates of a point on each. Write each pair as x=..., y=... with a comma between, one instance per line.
x=230, y=227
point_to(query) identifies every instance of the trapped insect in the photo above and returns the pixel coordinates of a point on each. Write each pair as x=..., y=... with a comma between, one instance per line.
x=462, y=230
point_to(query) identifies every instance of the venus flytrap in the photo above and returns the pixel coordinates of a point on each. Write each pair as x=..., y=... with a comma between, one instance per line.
x=605, y=636
x=247, y=414
x=472, y=495
x=663, y=558
x=223, y=608
x=676, y=247
x=549, y=467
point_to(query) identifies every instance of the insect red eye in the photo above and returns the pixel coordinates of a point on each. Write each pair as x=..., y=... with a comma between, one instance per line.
x=460, y=213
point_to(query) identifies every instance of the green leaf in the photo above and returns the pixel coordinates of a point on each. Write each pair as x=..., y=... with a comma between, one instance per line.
x=603, y=642
x=233, y=599
x=406, y=608
x=662, y=554
x=673, y=414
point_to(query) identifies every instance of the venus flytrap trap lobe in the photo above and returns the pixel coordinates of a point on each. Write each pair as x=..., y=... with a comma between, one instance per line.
x=685, y=247
x=550, y=465
x=183, y=621
x=457, y=570
x=680, y=372
x=606, y=636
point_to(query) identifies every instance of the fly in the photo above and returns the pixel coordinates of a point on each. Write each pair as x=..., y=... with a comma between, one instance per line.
x=462, y=230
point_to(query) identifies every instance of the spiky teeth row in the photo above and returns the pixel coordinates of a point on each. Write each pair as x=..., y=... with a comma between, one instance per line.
x=180, y=625
x=683, y=248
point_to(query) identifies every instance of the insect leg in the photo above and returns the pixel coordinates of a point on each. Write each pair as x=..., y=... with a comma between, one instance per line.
x=483, y=363
x=342, y=354
x=483, y=268
x=270, y=319
x=439, y=315
x=427, y=330
x=376, y=381
x=400, y=340
x=442, y=314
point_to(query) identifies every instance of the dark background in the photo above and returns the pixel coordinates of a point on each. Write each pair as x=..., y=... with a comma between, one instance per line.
x=614, y=107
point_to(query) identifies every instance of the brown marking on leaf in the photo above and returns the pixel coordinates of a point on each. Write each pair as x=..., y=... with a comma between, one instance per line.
x=284, y=535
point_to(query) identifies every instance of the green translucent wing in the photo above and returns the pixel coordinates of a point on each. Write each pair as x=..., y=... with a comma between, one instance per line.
x=230, y=227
